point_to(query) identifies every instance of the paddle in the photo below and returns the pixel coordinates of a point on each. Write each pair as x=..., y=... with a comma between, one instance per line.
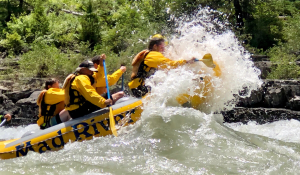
x=123, y=79
x=207, y=60
x=3, y=122
x=111, y=115
x=122, y=82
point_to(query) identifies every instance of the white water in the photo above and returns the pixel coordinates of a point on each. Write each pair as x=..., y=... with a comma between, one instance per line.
x=170, y=139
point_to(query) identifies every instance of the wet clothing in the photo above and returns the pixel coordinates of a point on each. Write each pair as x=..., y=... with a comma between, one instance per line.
x=100, y=79
x=206, y=89
x=51, y=103
x=81, y=96
x=148, y=64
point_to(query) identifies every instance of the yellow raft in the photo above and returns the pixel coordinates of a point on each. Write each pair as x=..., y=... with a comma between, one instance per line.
x=126, y=111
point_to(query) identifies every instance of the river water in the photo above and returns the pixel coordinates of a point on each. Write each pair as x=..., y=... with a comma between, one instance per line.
x=171, y=139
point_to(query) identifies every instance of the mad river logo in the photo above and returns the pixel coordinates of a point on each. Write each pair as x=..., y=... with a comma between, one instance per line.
x=80, y=130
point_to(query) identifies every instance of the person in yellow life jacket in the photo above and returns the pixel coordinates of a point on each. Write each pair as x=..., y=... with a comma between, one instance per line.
x=51, y=103
x=81, y=97
x=112, y=79
x=206, y=87
x=147, y=62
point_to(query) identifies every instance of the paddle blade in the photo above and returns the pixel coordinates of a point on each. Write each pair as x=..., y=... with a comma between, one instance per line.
x=207, y=60
x=112, y=122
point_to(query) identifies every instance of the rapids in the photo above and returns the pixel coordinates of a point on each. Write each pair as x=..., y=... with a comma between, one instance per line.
x=170, y=139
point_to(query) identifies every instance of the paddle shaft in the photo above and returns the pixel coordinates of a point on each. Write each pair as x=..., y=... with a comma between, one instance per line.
x=107, y=87
x=122, y=82
x=2, y=123
x=111, y=116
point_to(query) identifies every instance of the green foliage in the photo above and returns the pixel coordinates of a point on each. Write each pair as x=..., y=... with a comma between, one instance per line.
x=91, y=26
x=265, y=27
x=122, y=28
x=13, y=42
x=22, y=26
x=44, y=61
x=63, y=29
x=284, y=55
x=284, y=65
x=40, y=25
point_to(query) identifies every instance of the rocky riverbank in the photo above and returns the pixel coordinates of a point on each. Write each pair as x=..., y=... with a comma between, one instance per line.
x=275, y=100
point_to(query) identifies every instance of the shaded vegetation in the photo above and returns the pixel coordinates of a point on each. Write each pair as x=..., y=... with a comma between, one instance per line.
x=51, y=37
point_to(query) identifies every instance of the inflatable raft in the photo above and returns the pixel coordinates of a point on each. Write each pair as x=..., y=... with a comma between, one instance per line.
x=127, y=111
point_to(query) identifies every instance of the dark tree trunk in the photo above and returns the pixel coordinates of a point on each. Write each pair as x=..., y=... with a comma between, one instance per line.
x=238, y=14
x=9, y=12
x=21, y=5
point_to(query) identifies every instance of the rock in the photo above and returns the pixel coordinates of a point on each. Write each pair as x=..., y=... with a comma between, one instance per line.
x=17, y=95
x=28, y=110
x=6, y=83
x=256, y=58
x=3, y=98
x=4, y=69
x=275, y=97
x=3, y=54
x=260, y=115
x=35, y=95
x=294, y=103
x=25, y=111
x=255, y=99
x=273, y=93
x=4, y=90
x=265, y=68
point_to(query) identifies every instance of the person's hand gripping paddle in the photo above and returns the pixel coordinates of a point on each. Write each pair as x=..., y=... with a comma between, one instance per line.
x=111, y=115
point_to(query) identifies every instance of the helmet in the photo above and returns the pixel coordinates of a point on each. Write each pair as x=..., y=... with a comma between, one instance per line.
x=159, y=36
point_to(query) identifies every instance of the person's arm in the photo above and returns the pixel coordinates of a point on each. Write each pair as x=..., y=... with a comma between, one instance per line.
x=88, y=92
x=156, y=59
x=113, y=78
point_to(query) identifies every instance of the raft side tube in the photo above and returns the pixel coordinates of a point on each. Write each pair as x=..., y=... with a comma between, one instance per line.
x=71, y=122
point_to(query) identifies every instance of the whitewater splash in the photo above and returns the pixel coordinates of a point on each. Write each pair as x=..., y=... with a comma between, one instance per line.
x=196, y=36
x=170, y=139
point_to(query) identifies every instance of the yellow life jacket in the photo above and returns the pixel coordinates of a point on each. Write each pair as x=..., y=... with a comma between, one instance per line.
x=75, y=97
x=137, y=64
x=82, y=99
x=47, y=112
x=140, y=71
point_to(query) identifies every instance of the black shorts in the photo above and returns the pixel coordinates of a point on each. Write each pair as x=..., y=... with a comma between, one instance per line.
x=55, y=120
x=140, y=91
x=83, y=110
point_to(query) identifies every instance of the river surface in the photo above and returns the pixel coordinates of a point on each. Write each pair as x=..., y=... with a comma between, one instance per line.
x=171, y=139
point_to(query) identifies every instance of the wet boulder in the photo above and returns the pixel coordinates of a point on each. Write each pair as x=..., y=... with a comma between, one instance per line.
x=260, y=115
x=294, y=103
x=275, y=97
x=28, y=110
x=255, y=99
x=17, y=95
